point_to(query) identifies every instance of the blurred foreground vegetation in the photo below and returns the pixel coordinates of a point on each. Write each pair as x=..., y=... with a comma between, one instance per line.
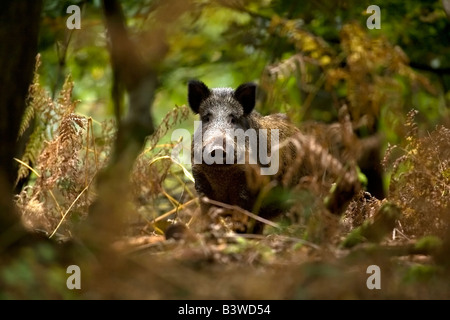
x=376, y=97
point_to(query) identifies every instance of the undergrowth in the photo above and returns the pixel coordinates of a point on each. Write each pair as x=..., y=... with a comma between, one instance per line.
x=305, y=249
x=420, y=179
x=66, y=151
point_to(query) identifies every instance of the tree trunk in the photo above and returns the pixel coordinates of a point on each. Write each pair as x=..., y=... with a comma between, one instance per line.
x=19, y=25
x=131, y=72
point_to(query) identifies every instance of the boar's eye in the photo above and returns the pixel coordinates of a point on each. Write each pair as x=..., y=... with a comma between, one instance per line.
x=233, y=119
x=206, y=117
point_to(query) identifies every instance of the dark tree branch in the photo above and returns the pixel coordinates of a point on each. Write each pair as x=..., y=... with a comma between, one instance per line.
x=424, y=67
x=135, y=75
x=124, y=54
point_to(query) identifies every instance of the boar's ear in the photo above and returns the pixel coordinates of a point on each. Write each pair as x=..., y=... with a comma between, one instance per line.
x=245, y=94
x=197, y=92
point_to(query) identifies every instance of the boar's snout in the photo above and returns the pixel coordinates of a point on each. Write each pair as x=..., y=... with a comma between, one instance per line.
x=217, y=148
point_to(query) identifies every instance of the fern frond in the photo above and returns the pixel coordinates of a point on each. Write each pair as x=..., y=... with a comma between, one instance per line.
x=173, y=117
x=29, y=112
x=26, y=120
x=32, y=150
x=67, y=128
x=286, y=68
x=66, y=105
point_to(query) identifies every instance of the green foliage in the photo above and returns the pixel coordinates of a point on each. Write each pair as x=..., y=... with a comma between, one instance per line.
x=429, y=243
x=422, y=273
x=375, y=229
x=355, y=237
x=305, y=57
x=34, y=274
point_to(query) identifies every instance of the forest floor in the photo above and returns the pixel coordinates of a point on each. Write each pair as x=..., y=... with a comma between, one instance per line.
x=276, y=265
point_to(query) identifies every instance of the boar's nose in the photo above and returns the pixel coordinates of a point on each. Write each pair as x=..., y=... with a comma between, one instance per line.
x=214, y=154
x=214, y=150
x=218, y=152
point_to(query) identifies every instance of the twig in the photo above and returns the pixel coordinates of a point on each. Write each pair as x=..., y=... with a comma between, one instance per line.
x=237, y=208
x=38, y=175
x=172, y=200
x=68, y=210
x=185, y=171
x=165, y=215
x=263, y=237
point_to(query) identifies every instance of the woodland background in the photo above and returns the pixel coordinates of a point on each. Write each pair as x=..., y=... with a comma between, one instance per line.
x=87, y=177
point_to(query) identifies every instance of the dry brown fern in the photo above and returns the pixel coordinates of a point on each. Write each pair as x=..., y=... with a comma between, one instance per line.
x=172, y=118
x=420, y=179
x=65, y=156
x=158, y=183
x=46, y=114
